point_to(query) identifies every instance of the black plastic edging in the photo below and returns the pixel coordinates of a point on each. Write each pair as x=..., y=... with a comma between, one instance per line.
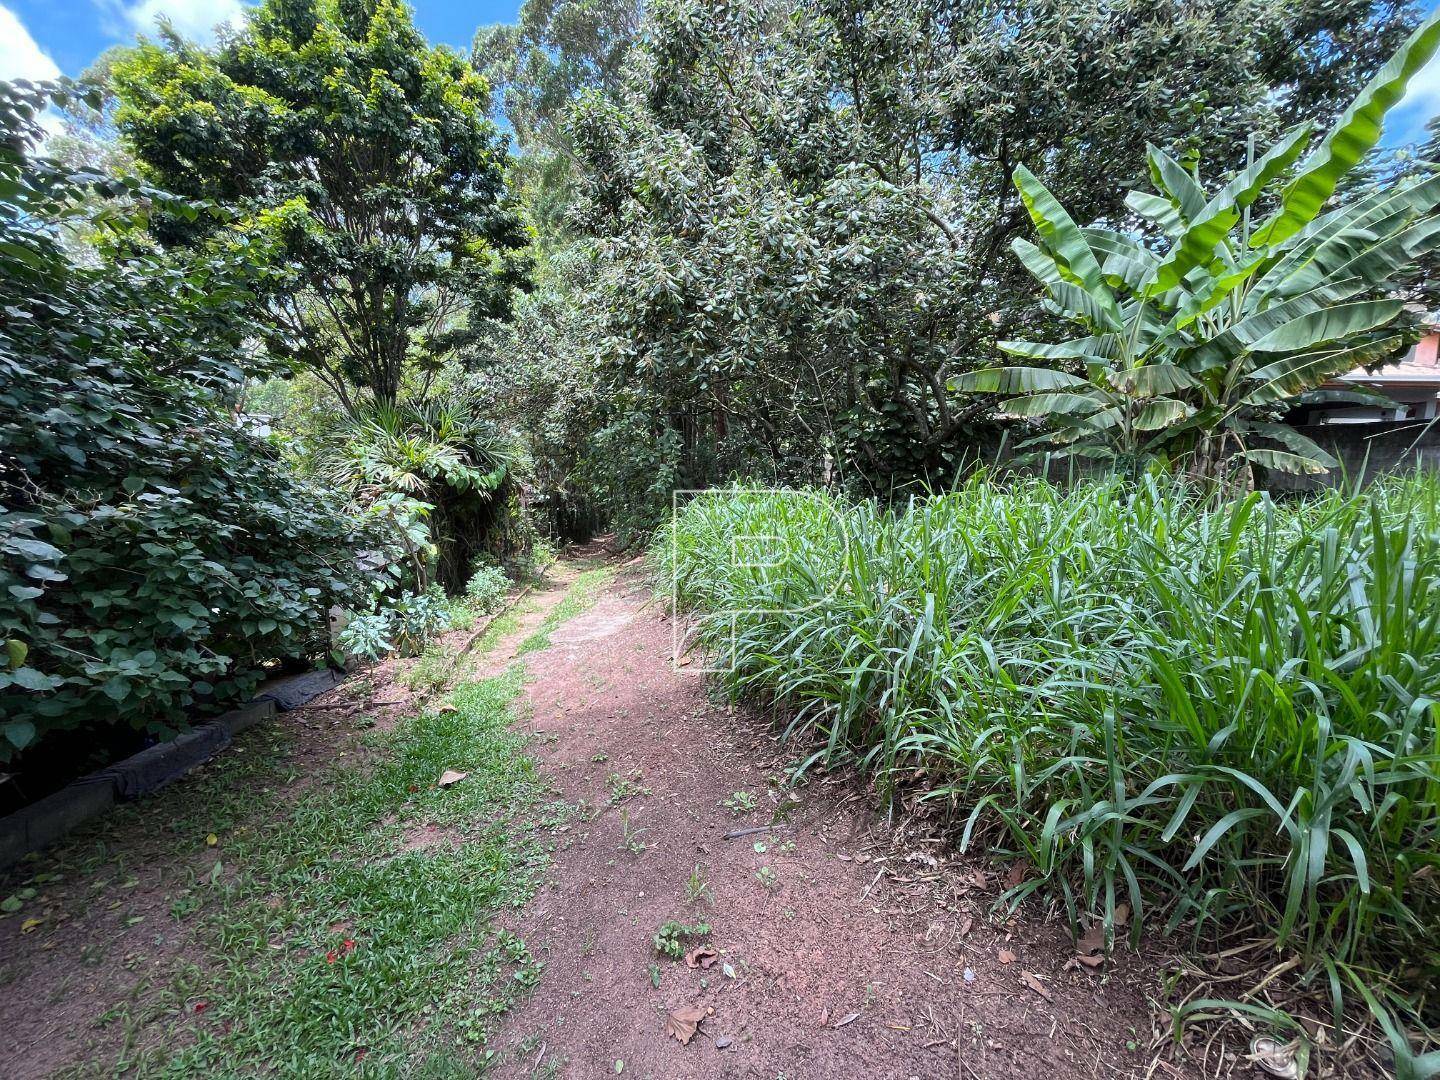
x=42, y=823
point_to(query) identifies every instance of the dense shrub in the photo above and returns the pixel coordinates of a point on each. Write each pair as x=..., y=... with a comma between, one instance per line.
x=153, y=554
x=1207, y=713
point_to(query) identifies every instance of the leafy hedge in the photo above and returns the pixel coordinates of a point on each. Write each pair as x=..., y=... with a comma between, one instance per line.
x=153, y=553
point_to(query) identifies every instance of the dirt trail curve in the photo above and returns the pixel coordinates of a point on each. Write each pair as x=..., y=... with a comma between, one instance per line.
x=841, y=951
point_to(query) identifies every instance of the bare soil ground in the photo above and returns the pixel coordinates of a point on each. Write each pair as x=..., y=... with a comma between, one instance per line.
x=843, y=946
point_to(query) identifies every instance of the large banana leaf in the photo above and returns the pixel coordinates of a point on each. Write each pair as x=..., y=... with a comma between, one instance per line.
x=1298, y=372
x=1041, y=266
x=1284, y=461
x=1161, y=413
x=1377, y=262
x=1097, y=347
x=1238, y=339
x=1353, y=136
x=1368, y=214
x=1293, y=441
x=1122, y=258
x=1015, y=380
x=1328, y=324
x=1060, y=233
x=1054, y=403
x=1086, y=304
x=1172, y=178
x=1148, y=380
x=1213, y=222
x=1157, y=210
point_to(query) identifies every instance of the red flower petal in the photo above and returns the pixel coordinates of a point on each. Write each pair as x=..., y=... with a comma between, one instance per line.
x=331, y=956
x=201, y=1006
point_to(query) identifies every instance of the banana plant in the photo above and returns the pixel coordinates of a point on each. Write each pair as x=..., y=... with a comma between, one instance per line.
x=1201, y=323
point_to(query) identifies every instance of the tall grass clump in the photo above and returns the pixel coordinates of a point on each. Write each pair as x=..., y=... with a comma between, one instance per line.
x=1220, y=714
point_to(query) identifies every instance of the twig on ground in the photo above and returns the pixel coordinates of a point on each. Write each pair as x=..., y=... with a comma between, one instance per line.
x=735, y=834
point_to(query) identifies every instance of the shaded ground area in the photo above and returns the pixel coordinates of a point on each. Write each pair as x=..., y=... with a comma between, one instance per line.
x=314, y=903
x=841, y=948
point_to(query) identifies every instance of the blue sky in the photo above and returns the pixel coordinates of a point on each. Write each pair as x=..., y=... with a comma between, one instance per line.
x=40, y=39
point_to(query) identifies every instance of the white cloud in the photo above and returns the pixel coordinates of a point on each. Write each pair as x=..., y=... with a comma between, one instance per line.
x=1424, y=88
x=20, y=56
x=1420, y=103
x=194, y=19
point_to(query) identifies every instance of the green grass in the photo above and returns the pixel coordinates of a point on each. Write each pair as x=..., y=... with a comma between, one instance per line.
x=1214, y=714
x=583, y=592
x=418, y=991
x=367, y=851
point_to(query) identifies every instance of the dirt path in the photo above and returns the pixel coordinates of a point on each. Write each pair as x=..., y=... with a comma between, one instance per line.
x=841, y=948
x=841, y=951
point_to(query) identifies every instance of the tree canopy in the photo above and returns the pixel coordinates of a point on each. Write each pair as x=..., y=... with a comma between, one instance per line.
x=799, y=213
x=333, y=129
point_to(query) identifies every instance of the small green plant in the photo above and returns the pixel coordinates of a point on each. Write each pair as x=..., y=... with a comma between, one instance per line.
x=599, y=757
x=741, y=803
x=542, y=555
x=767, y=877
x=630, y=835
x=418, y=617
x=366, y=637
x=486, y=588
x=625, y=787
x=697, y=887
x=672, y=936
x=436, y=669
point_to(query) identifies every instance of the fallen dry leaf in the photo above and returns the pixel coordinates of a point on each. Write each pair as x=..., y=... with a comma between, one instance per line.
x=1005, y=956
x=702, y=956
x=1122, y=914
x=825, y=1016
x=29, y=925
x=1017, y=875
x=1092, y=941
x=1034, y=984
x=1075, y=963
x=847, y=1018
x=683, y=1022
x=446, y=708
x=966, y=925
x=449, y=778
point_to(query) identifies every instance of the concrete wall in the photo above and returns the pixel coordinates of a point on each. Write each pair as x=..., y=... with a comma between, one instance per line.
x=1366, y=451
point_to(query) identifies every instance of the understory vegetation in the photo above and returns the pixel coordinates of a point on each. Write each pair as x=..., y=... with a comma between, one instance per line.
x=1217, y=714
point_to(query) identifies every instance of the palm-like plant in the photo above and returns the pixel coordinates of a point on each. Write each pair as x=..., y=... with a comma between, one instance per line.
x=416, y=449
x=432, y=469
x=1196, y=336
